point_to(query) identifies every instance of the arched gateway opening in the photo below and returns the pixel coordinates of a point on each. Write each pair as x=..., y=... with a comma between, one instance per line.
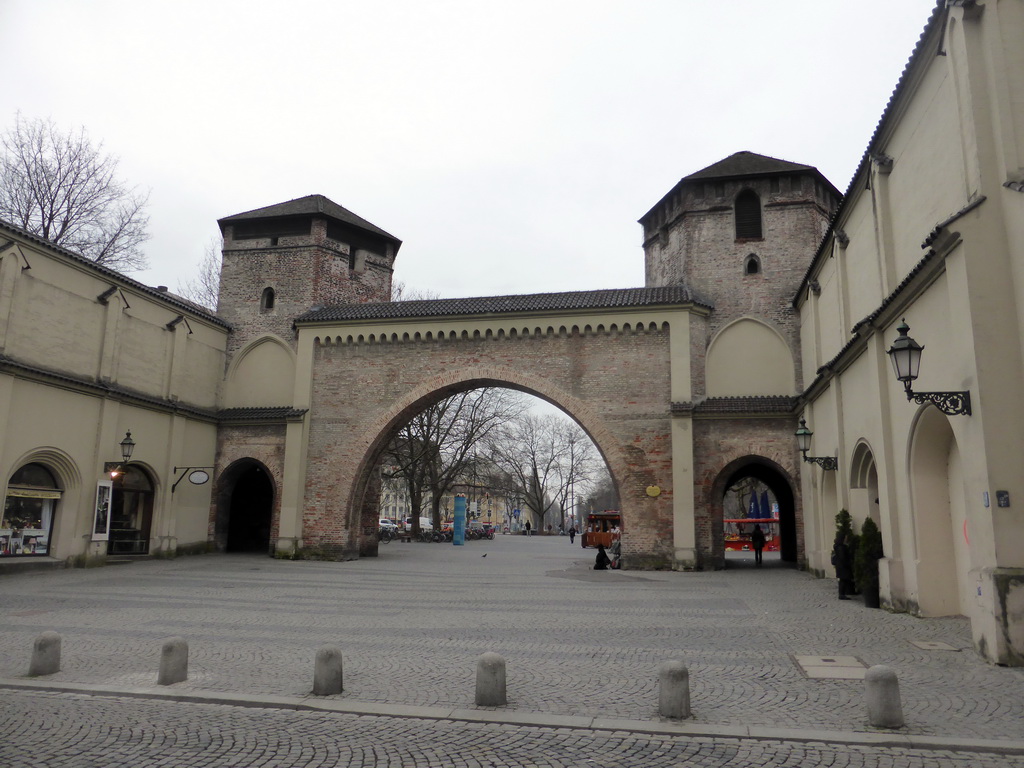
x=245, y=506
x=747, y=477
x=496, y=494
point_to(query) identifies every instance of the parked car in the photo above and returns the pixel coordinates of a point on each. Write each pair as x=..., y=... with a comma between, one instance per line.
x=391, y=525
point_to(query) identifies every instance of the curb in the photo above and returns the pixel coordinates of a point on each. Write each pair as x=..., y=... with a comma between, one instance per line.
x=531, y=719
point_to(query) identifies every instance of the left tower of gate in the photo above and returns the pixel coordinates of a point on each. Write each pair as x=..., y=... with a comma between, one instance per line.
x=279, y=262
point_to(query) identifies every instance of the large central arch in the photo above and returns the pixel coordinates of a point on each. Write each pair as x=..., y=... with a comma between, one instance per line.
x=363, y=503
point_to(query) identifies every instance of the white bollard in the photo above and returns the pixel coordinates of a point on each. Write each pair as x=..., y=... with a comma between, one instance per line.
x=173, y=661
x=882, y=695
x=45, y=654
x=673, y=690
x=327, y=671
x=490, y=681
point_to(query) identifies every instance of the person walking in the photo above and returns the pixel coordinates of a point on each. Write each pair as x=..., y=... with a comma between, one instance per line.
x=842, y=559
x=528, y=528
x=572, y=533
x=757, y=540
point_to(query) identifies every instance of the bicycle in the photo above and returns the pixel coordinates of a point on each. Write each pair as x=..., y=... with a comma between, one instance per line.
x=385, y=535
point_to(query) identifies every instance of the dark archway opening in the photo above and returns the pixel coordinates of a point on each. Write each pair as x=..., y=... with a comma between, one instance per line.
x=783, y=494
x=250, y=511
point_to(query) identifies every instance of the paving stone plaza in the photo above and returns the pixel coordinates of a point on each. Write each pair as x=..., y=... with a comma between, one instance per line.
x=775, y=661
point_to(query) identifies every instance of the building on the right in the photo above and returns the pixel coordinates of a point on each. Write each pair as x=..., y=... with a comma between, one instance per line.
x=927, y=246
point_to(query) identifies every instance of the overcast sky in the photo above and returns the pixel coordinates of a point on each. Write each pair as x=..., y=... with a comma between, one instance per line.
x=511, y=145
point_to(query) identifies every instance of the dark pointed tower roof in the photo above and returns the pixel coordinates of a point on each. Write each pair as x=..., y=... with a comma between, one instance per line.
x=311, y=205
x=747, y=164
x=743, y=165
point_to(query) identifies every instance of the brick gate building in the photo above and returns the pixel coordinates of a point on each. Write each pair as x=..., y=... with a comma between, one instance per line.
x=686, y=385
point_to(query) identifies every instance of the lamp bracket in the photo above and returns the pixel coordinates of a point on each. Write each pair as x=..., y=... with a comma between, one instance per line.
x=950, y=403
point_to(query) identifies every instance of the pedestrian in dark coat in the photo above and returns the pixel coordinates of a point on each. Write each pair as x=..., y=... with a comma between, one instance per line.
x=603, y=561
x=572, y=533
x=757, y=540
x=842, y=559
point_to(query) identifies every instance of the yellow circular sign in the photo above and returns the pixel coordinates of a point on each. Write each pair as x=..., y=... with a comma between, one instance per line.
x=653, y=490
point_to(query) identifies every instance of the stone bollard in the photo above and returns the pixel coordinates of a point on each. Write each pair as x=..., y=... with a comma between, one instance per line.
x=673, y=690
x=327, y=677
x=173, y=661
x=490, y=681
x=882, y=694
x=45, y=655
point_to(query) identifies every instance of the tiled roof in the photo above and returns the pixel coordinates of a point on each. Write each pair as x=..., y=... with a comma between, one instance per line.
x=504, y=305
x=309, y=206
x=747, y=164
x=282, y=413
x=875, y=144
x=112, y=274
x=735, y=406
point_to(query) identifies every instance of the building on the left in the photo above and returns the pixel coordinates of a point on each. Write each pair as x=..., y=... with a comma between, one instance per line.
x=87, y=356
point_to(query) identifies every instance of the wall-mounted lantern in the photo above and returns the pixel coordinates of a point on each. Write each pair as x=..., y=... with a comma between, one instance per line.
x=905, y=354
x=116, y=468
x=803, y=442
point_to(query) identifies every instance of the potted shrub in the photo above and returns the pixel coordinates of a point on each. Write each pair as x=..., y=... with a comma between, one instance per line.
x=865, y=562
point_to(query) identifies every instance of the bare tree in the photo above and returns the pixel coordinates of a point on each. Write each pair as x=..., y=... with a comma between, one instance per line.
x=204, y=288
x=602, y=495
x=550, y=460
x=436, y=447
x=528, y=451
x=62, y=188
x=580, y=463
x=402, y=292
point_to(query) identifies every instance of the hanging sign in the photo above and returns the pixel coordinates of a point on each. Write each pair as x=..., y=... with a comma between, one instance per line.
x=198, y=477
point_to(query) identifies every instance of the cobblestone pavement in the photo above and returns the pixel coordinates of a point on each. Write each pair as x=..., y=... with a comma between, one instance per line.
x=67, y=731
x=412, y=622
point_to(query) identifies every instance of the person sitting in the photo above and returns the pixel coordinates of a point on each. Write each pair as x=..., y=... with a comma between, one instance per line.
x=603, y=561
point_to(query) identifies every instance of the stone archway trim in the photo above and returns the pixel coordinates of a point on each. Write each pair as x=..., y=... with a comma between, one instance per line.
x=368, y=443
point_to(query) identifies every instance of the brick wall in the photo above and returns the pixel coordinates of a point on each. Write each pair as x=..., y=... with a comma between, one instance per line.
x=727, y=449
x=616, y=385
x=304, y=271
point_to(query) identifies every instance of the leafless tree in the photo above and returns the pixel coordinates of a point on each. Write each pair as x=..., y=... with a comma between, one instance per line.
x=602, y=493
x=578, y=467
x=62, y=188
x=435, y=448
x=550, y=460
x=204, y=288
x=402, y=292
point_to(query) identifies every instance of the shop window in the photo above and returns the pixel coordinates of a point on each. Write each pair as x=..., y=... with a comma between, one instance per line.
x=267, y=300
x=748, y=215
x=27, y=522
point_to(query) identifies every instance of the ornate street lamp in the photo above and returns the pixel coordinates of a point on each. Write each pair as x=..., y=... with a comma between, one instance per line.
x=905, y=354
x=127, y=446
x=803, y=442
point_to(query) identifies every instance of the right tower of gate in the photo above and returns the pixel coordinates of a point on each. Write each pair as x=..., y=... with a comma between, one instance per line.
x=740, y=234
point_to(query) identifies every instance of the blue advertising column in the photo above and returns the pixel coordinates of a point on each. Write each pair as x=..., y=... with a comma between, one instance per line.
x=459, y=532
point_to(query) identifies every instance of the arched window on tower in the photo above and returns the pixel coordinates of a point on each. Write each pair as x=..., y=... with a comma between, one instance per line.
x=752, y=265
x=748, y=216
x=267, y=300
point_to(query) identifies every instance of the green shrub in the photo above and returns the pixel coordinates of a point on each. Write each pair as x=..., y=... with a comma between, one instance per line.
x=865, y=559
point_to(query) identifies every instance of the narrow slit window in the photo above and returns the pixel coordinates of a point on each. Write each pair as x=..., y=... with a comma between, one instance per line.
x=748, y=216
x=267, y=300
x=752, y=265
